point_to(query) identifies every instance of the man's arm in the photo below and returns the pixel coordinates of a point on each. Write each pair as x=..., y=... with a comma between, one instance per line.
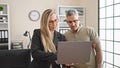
x=98, y=57
x=97, y=46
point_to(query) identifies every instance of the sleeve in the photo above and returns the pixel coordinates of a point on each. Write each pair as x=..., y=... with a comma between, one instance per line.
x=97, y=46
x=94, y=37
x=37, y=49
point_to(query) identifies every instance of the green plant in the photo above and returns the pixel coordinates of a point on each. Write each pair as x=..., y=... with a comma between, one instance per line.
x=1, y=8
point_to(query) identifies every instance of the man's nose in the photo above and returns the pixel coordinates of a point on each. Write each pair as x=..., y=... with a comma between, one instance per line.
x=73, y=24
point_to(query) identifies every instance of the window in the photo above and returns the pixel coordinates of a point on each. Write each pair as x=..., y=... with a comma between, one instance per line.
x=109, y=31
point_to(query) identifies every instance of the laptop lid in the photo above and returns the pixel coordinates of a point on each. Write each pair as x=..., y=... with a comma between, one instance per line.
x=73, y=52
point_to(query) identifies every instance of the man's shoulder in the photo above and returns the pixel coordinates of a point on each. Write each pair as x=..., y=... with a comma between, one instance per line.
x=87, y=28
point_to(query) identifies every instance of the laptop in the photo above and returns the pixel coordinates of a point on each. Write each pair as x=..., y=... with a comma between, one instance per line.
x=73, y=52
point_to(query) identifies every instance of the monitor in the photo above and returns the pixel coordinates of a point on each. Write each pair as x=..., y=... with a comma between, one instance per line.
x=15, y=58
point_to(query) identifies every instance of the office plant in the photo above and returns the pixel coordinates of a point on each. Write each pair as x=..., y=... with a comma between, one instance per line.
x=1, y=8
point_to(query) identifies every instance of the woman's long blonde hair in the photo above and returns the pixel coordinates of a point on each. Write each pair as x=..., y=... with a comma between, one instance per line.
x=45, y=31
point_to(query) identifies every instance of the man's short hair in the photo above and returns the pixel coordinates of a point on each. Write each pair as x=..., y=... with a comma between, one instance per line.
x=71, y=12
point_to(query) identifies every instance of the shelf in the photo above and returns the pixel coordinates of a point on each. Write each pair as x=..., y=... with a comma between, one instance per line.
x=4, y=27
x=3, y=44
x=3, y=14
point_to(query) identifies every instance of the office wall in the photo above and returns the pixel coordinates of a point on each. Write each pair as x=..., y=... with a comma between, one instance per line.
x=19, y=9
x=91, y=12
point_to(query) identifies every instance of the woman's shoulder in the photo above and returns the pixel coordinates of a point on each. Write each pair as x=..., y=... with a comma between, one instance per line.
x=58, y=33
x=36, y=29
x=60, y=36
x=36, y=32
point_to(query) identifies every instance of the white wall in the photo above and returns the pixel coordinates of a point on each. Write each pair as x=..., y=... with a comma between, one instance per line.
x=19, y=9
x=91, y=12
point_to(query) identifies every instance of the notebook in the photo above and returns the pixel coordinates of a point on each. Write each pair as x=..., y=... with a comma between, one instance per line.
x=73, y=52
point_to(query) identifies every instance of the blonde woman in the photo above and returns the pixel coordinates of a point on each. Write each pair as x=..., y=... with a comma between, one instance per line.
x=44, y=42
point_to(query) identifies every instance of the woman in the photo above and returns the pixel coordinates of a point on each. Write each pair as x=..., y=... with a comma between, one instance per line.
x=44, y=42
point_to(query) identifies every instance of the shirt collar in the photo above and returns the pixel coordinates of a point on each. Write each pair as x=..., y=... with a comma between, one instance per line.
x=78, y=29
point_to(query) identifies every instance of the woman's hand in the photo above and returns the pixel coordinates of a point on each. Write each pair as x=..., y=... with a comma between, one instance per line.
x=69, y=64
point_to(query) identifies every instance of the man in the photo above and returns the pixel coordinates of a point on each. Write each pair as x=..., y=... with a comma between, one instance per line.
x=78, y=32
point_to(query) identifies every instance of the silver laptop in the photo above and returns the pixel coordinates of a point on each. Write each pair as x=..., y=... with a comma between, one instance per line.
x=73, y=52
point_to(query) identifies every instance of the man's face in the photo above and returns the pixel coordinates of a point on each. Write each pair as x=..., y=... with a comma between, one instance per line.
x=73, y=22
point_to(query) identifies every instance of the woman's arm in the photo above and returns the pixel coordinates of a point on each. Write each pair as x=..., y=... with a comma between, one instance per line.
x=37, y=49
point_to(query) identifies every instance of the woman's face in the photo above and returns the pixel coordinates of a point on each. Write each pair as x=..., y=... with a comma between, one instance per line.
x=53, y=22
